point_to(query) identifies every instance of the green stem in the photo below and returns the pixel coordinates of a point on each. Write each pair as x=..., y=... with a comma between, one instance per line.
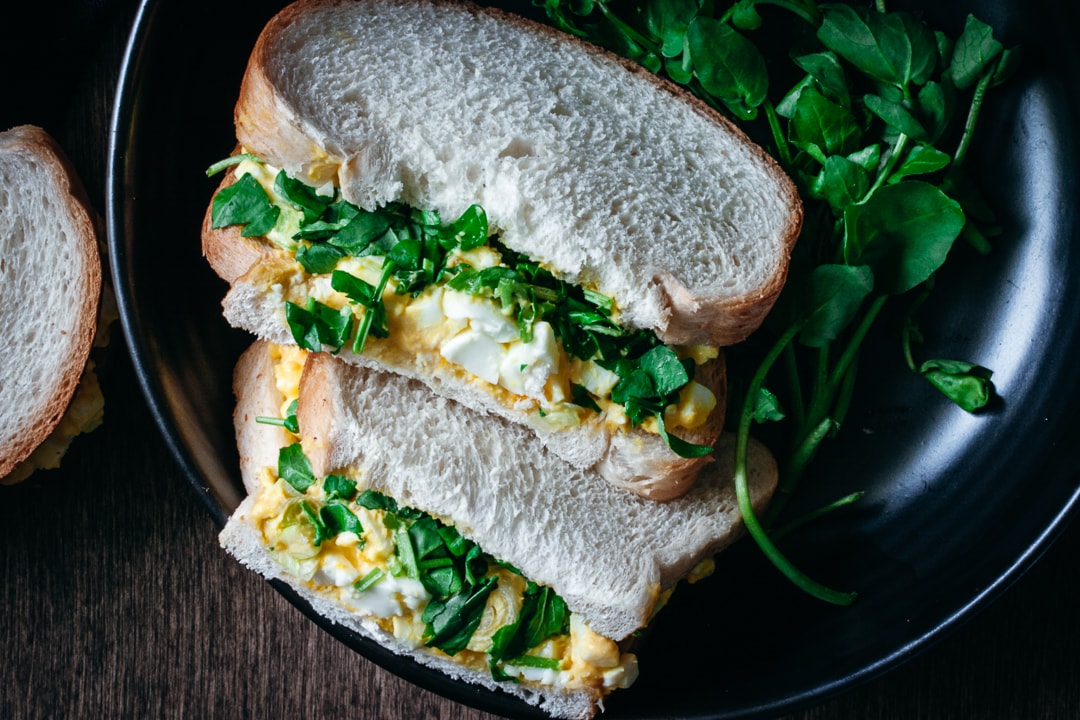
x=797, y=405
x=973, y=116
x=814, y=515
x=890, y=164
x=742, y=487
x=795, y=467
x=852, y=348
x=627, y=30
x=782, y=149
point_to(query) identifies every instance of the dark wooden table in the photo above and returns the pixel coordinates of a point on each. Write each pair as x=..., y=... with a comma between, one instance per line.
x=115, y=600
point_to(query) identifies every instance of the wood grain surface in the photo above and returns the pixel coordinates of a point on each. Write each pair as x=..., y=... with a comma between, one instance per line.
x=116, y=602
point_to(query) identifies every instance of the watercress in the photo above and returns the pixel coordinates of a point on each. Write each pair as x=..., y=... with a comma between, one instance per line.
x=873, y=120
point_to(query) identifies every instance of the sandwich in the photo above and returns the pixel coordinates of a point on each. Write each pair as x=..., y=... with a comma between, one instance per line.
x=50, y=278
x=527, y=224
x=495, y=562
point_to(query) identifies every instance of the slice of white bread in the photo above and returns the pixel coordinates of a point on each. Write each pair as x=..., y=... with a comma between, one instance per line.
x=608, y=554
x=611, y=177
x=50, y=282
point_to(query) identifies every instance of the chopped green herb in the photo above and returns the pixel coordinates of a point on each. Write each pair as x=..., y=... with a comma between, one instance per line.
x=370, y=580
x=294, y=467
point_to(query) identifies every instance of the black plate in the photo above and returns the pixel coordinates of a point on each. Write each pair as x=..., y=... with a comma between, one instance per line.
x=957, y=507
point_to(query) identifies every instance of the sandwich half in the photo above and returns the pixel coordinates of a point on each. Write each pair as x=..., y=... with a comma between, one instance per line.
x=524, y=222
x=456, y=539
x=50, y=282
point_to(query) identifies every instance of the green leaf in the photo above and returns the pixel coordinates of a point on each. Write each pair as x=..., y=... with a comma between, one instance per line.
x=361, y=231
x=921, y=160
x=744, y=15
x=896, y=116
x=319, y=258
x=550, y=617
x=294, y=467
x=244, y=203
x=302, y=196
x=451, y=624
x=729, y=66
x=318, y=324
x=469, y=231
x=893, y=48
x=338, y=519
x=665, y=368
x=679, y=446
x=822, y=127
x=826, y=70
x=903, y=232
x=668, y=21
x=975, y=51
x=842, y=183
x=339, y=487
x=832, y=297
x=767, y=407
x=967, y=385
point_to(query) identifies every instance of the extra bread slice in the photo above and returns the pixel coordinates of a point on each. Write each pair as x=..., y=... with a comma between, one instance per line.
x=609, y=554
x=50, y=280
x=614, y=179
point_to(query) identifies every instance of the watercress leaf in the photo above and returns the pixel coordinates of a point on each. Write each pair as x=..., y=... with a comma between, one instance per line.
x=729, y=66
x=786, y=106
x=360, y=231
x=842, y=183
x=966, y=384
x=407, y=254
x=244, y=203
x=832, y=297
x=314, y=519
x=896, y=116
x=451, y=624
x=337, y=518
x=638, y=384
x=318, y=258
x=903, y=232
x=975, y=51
x=469, y=231
x=301, y=196
x=936, y=103
x=550, y=617
x=867, y=158
x=921, y=160
x=295, y=468
x=1006, y=66
x=893, y=48
x=666, y=370
x=667, y=20
x=744, y=15
x=426, y=538
x=679, y=446
x=679, y=69
x=822, y=127
x=767, y=407
x=339, y=487
x=374, y=500
x=826, y=70
x=302, y=326
x=356, y=289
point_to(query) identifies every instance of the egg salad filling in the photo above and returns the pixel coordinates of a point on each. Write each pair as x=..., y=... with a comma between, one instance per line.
x=399, y=284
x=418, y=578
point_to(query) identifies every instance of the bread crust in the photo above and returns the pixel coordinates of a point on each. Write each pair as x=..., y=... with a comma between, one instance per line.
x=268, y=127
x=67, y=192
